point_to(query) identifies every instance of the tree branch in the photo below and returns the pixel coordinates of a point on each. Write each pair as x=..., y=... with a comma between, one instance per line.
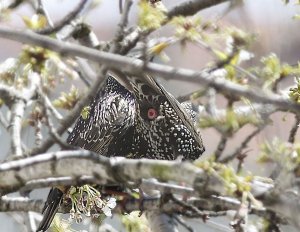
x=294, y=129
x=16, y=101
x=20, y=204
x=135, y=67
x=192, y=7
x=242, y=146
x=83, y=165
x=15, y=126
x=66, y=20
x=15, y=174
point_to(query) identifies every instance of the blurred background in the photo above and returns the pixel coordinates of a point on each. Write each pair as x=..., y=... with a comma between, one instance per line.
x=270, y=20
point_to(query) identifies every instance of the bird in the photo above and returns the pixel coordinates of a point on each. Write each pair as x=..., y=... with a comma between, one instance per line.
x=132, y=117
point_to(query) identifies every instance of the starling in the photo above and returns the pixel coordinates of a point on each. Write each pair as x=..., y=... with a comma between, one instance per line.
x=133, y=117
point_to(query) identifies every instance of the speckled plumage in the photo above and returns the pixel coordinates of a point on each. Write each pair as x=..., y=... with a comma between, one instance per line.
x=118, y=125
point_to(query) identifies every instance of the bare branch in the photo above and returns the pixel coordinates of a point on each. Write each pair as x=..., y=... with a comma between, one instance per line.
x=81, y=163
x=135, y=66
x=121, y=27
x=294, y=129
x=242, y=146
x=103, y=170
x=221, y=146
x=47, y=103
x=58, y=181
x=16, y=174
x=16, y=101
x=15, y=126
x=42, y=10
x=192, y=7
x=47, y=106
x=20, y=204
x=166, y=187
x=66, y=20
x=73, y=115
x=195, y=211
x=9, y=94
x=185, y=9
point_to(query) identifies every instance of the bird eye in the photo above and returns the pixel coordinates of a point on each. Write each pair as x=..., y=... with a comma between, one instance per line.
x=152, y=113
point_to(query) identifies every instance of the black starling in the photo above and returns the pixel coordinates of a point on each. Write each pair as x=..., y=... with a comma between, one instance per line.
x=135, y=118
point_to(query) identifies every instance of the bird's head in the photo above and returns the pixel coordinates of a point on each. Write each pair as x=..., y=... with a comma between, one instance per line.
x=163, y=121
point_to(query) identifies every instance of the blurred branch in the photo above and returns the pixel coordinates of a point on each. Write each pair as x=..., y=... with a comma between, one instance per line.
x=40, y=9
x=121, y=27
x=161, y=222
x=135, y=66
x=187, y=8
x=3, y=121
x=221, y=146
x=242, y=146
x=294, y=129
x=102, y=170
x=10, y=4
x=66, y=20
x=20, y=204
x=15, y=126
x=166, y=187
x=192, y=7
x=9, y=94
x=47, y=104
x=16, y=100
x=195, y=212
x=76, y=164
x=73, y=114
x=16, y=174
x=48, y=108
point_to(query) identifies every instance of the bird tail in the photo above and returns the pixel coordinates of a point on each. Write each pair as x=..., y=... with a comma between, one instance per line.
x=50, y=208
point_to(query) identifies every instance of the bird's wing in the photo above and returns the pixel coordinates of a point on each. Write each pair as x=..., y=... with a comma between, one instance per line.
x=109, y=115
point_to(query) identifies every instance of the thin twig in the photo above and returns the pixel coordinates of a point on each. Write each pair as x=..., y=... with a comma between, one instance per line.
x=195, y=211
x=73, y=115
x=242, y=146
x=238, y=68
x=121, y=27
x=47, y=103
x=42, y=10
x=187, y=8
x=84, y=77
x=50, y=125
x=221, y=146
x=294, y=129
x=66, y=20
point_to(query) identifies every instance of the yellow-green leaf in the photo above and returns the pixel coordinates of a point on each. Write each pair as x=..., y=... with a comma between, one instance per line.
x=37, y=21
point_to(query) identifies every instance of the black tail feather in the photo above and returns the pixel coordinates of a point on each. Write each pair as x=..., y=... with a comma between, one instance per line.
x=51, y=206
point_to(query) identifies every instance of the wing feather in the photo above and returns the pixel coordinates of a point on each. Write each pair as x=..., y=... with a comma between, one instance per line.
x=111, y=113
